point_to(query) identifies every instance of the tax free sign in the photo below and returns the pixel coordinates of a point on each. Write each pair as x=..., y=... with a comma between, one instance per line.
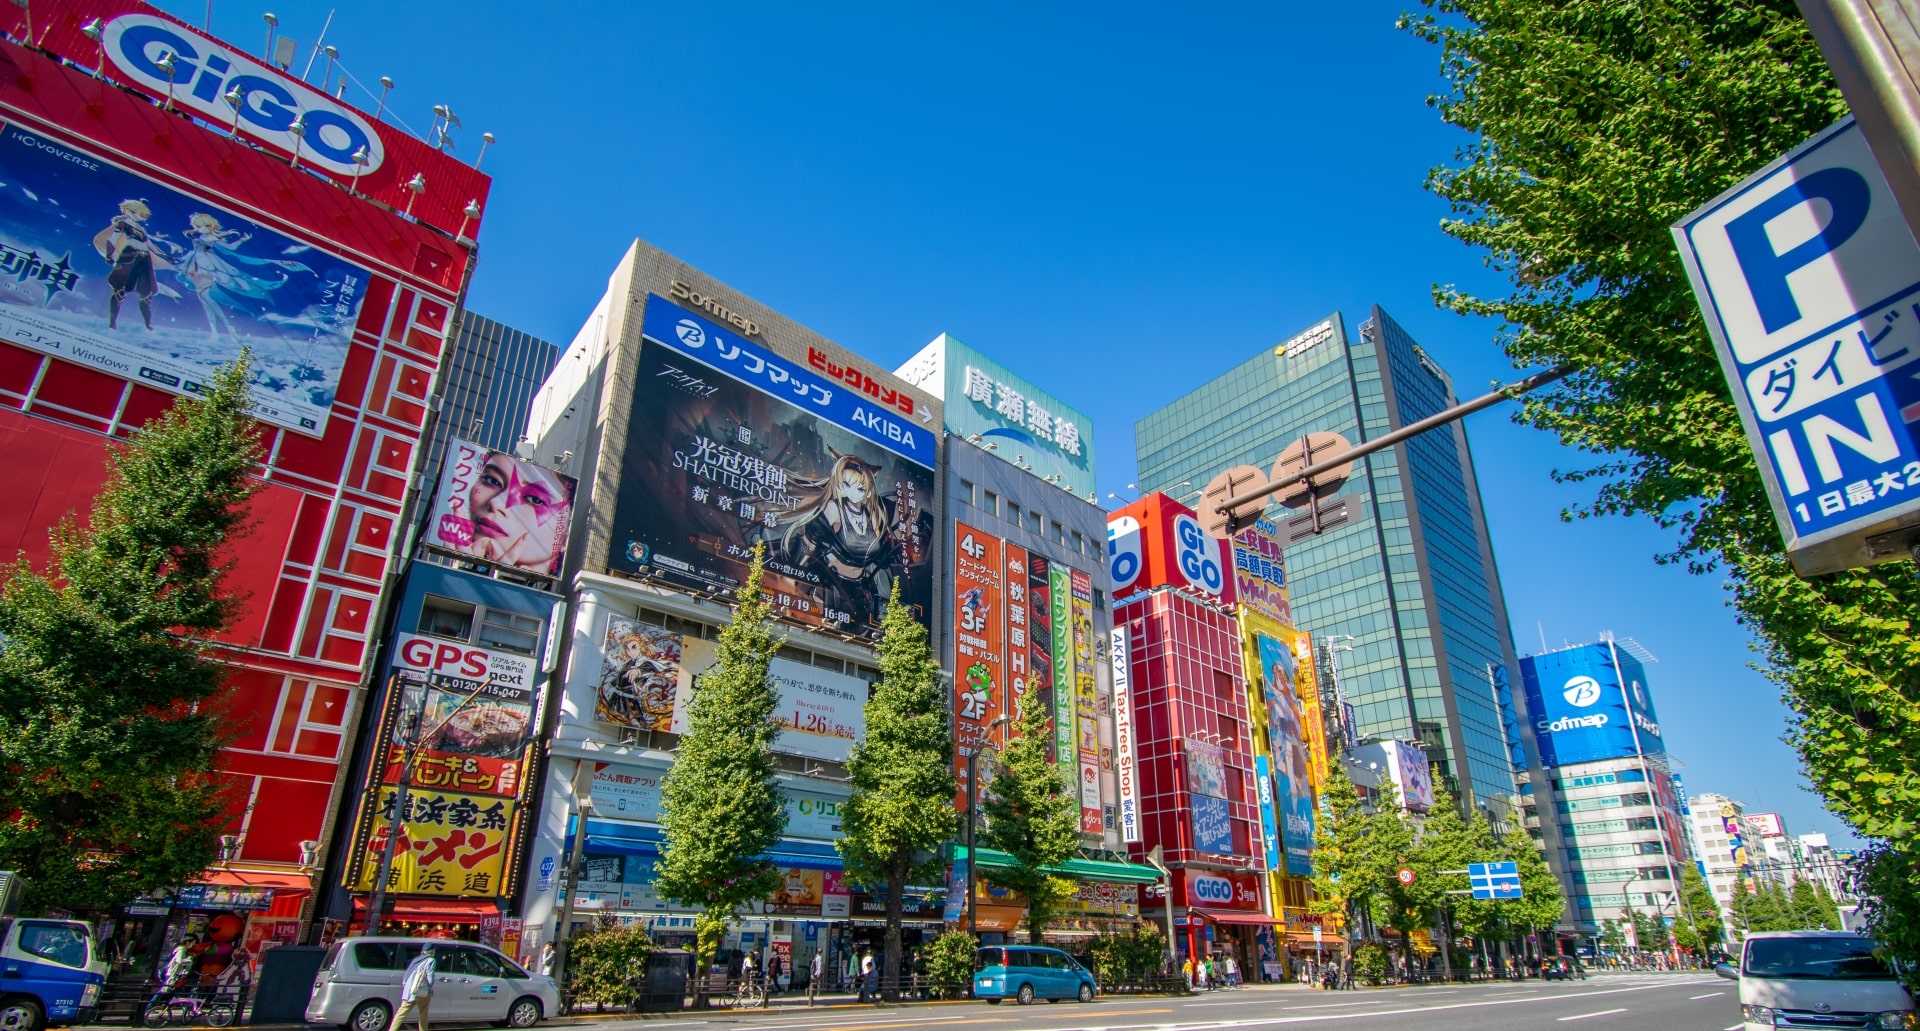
x=1810, y=283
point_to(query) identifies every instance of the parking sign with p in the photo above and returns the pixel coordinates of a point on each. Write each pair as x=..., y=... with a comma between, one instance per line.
x=1810, y=283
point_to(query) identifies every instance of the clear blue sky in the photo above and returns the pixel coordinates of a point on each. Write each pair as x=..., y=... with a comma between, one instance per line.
x=1118, y=207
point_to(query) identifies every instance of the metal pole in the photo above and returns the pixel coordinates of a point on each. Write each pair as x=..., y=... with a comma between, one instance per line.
x=582, y=808
x=1506, y=393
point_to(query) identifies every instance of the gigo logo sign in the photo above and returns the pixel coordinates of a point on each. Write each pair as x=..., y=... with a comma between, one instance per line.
x=1207, y=888
x=1197, y=554
x=1123, y=552
x=1582, y=691
x=204, y=73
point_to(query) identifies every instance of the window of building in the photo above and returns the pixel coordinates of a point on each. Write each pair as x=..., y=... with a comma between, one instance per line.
x=509, y=631
x=1013, y=512
x=990, y=502
x=1058, y=534
x=1099, y=600
x=966, y=491
x=444, y=617
x=1033, y=522
x=1080, y=543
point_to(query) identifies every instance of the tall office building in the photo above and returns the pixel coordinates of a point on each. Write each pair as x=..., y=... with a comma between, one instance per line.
x=1405, y=571
x=492, y=375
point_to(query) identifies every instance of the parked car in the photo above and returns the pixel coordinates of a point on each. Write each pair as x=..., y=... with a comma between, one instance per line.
x=49, y=975
x=358, y=986
x=1561, y=968
x=1024, y=973
x=1817, y=979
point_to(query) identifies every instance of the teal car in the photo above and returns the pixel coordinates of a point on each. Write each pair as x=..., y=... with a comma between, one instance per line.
x=1024, y=973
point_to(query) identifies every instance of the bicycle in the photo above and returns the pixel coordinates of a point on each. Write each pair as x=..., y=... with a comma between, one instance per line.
x=186, y=1009
x=749, y=996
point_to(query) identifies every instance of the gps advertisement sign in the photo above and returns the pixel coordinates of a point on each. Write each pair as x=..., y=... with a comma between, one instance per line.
x=1809, y=280
x=1590, y=703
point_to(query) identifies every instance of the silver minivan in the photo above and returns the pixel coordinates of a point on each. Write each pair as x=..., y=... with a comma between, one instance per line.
x=358, y=986
x=1817, y=979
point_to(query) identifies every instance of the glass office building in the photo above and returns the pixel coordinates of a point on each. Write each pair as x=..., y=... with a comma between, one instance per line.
x=491, y=376
x=1407, y=580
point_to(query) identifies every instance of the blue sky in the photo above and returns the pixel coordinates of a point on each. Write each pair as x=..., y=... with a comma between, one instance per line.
x=1115, y=207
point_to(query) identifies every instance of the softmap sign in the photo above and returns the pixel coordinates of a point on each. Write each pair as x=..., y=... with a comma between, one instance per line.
x=1810, y=283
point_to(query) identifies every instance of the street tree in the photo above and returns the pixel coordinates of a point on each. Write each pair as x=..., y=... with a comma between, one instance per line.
x=110, y=716
x=1448, y=841
x=1813, y=908
x=901, y=810
x=1403, y=908
x=1542, y=903
x=1700, y=930
x=1594, y=128
x=1032, y=817
x=1346, y=874
x=1889, y=886
x=720, y=806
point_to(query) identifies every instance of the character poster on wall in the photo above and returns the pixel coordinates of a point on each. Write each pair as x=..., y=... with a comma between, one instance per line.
x=639, y=676
x=1085, y=699
x=1287, y=742
x=109, y=269
x=500, y=509
x=715, y=466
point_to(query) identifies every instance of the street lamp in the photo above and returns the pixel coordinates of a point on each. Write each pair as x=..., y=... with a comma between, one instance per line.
x=973, y=810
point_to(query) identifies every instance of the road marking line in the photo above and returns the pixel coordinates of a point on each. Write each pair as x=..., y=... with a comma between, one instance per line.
x=1709, y=995
x=1584, y=1016
x=1737, y=1027
x=1220, y=1025
x=923, y=1023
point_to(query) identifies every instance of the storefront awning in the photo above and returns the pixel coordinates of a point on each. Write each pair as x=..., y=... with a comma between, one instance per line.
x=1254, y=919
x=1077, y=868
x=616, y=838
x=457, y=911
x=279, y=882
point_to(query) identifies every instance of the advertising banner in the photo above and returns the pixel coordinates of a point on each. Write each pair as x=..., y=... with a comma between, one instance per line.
x=983, y=398
x=450, y=844
x=477, y=746
x=640, y=676
x=1287, y=745
x=979, y=662
x=493, y=507
x=720, y=459
x=799, y=893
x=111, y=270
x=1259, y=572
x=1039, y=632
x=1157, y=542
x=1018, y=663
x=1126, y=773
x=1066, y=747
x=1269, y=817
x=1085, y=702
x=1408, y=765
x=1306, y=682
x=1583, y=712
x=1212, y=825
x=1210, y=890
x=631, y=792
x=1206, y=768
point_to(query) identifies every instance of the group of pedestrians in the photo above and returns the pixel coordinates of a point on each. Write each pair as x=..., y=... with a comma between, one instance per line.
x=1211, y=973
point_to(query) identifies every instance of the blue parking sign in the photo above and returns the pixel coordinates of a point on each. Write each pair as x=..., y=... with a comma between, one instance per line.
x=1809, y=280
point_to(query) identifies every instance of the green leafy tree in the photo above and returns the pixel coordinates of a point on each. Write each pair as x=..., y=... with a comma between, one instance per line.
x=1402, y=908
x=950, y=963
x=603, y=960
x=721, y=808
x=109, y=715
x=1595, y=127
x=901, y=810
x=1346, y=874
x=1542, y=903
x=1700, y=930
x=1447, y=841
x=1613, y=936
x=1031, y=817
x=1889, y=890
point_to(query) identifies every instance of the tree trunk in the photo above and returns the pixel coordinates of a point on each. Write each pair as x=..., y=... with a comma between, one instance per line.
x=890, y=963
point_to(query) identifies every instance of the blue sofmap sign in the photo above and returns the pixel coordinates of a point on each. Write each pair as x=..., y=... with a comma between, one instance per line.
x=1809, y=280
x=704, y=341
x=1212, y=825
x=1588, y=703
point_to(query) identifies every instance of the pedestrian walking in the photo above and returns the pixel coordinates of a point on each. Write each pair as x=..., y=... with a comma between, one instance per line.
x=416, y=990
x=546, y=959
x=1187, y=971
x=867, y=987
x=773, y=978
x=746, y=968
x=1233, y=972
x=815, y=972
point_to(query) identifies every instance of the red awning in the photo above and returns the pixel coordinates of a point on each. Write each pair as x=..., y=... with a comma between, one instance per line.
x=1255, y=919
x=458, y=911
x=279, y=882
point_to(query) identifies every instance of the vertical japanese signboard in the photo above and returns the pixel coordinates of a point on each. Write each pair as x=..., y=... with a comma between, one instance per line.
x=1809, y=280
x=1085, y=696
x=979, y=620
x=1066, y=750
x=1039, y=632
x=1123, y=757
x=1019, y=656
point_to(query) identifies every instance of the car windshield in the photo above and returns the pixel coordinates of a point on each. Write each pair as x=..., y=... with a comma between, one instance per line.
x=985, y=958
x=1840, y=958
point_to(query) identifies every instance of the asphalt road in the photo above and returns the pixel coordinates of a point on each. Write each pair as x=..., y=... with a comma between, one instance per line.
x=1624, y=1002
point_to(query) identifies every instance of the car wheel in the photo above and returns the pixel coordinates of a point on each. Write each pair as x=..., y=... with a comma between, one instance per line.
x=21, y=1014
x=525, y=1012
x=1086, y=993
x=370, y=1016
x=1025, y=996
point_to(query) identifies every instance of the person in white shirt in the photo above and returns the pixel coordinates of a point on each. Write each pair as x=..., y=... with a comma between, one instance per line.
x=416, y=990
x=815, y=972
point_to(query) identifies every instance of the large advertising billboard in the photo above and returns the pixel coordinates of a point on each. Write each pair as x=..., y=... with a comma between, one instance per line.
x=1022, y=423
x=109, y=269
x=1260, y=573
x=980, y=616
x=496, y=508
x=1589, y=703
x=648, y=676
x=1126, y=772
x=1287, y=745
x=731, y=446
x=1158, y=542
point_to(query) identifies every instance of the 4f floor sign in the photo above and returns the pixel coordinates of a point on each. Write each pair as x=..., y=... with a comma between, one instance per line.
x=1810, y=283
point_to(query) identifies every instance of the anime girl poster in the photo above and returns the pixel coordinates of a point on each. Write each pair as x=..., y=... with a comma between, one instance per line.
x=639, y=676
x=1287, y=742
x=107, y=268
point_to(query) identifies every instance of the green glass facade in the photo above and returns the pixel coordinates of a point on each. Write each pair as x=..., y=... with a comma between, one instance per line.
x=1410, y=576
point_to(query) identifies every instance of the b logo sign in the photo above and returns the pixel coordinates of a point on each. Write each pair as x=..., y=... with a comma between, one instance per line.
x=1582, y=691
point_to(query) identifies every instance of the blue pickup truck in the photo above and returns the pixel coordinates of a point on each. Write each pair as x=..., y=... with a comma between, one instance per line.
x=49, y=976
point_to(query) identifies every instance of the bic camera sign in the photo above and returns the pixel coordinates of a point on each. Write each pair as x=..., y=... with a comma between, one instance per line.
x=1810, y=283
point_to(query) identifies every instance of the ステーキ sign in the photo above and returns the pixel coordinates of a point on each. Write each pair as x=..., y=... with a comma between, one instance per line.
x=1809, y=280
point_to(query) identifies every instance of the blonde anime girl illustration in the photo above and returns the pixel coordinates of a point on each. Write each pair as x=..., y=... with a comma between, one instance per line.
x=128, y=247
x=843, y=530
x=217, y=273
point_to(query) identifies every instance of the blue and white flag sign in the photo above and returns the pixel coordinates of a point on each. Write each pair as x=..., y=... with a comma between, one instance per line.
x=708, y=343
x=1495, y=880
x=1810, y=283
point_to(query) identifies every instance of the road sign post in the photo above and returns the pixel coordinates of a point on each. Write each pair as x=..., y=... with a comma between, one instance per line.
x=1809, y=280
x=1495, y=881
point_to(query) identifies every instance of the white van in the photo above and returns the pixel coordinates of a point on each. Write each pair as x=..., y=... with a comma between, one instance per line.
x=358, y=986
x=1817, y=979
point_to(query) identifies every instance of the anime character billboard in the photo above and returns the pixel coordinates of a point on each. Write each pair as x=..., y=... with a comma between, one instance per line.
x=1287, y=738
x=108, y=269
x=497, y=508
x=719, y=460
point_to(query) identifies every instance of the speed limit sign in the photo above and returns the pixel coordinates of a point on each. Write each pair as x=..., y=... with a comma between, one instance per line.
x=1405, y=875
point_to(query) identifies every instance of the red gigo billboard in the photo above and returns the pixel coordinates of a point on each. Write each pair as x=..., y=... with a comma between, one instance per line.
x=151, y=234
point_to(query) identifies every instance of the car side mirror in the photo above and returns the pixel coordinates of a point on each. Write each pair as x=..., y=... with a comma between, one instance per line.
x=1727, y=971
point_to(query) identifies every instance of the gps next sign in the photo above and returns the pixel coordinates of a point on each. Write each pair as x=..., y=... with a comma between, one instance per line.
x=1589, y=703
x=1810, y=283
